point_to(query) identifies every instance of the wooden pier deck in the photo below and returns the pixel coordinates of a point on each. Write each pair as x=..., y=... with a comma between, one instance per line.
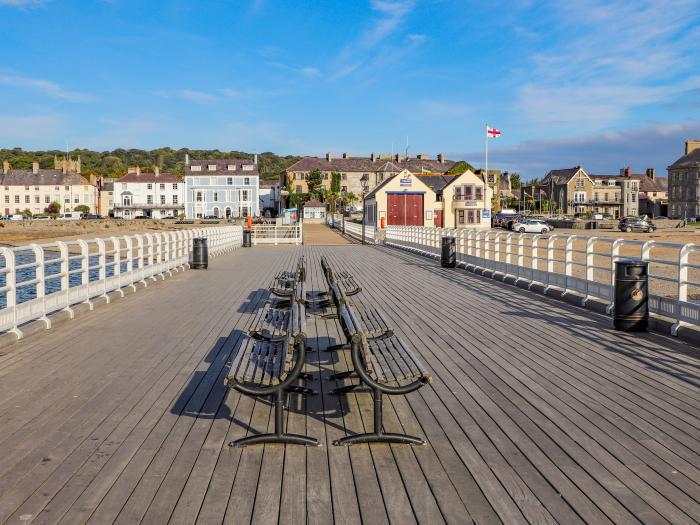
x=538, y=411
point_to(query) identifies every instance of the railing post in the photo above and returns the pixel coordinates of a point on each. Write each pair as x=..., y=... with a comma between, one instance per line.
x=683, y=259
x=40, y=274
x=11, y=285
x=85, y=270
x=102, y=267
x=130, y=261
x=65, y=275
x=117, y=263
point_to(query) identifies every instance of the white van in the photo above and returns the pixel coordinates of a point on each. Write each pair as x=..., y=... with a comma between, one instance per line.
x=70, y=216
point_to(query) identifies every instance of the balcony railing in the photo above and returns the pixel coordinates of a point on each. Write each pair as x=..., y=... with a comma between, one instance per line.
x=137, y=206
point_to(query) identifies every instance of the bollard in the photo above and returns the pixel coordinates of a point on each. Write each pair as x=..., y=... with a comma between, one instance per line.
x=383, y=223
x=247, y=238
x=200, y=253
x=448, y=258
x=631, y=295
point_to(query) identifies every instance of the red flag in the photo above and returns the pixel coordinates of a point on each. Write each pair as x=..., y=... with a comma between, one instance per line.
x=493, y=132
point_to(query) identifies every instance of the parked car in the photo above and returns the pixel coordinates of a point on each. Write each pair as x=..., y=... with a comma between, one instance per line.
x=530, y=226
x=541, y=221
x=41, y=218
x=70, y=216
x=630, y=224
x=91, y=216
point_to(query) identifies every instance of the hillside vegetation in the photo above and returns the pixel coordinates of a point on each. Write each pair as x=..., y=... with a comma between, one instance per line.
x=115, y=163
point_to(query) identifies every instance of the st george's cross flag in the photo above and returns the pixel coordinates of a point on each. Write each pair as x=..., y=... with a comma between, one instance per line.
x=493, y=133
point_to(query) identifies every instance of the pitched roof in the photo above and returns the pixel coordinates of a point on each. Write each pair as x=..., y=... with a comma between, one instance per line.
x=314, y=203
x=149, y=178
x=42, y=178
x=690, y=160
x=647, y=184
x=561, y=176
x=222, y=167
x=366, y=164
x=437, y=182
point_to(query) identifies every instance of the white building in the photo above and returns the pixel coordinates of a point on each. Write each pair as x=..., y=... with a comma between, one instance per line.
x=227, y=188
x=154, y=195
x=269, y=196
x=35, y=189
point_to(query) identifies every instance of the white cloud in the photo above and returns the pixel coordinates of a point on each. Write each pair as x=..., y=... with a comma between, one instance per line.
x=652, y=146
x=606, y=58
x=47, y=87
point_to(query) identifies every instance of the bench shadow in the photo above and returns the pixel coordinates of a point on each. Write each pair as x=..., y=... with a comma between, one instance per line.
x=518, y=302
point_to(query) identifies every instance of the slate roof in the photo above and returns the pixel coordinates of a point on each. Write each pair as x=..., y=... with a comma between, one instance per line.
x=169, y=178
x=560, y=176
x=222, y=167
x=314, y=203
x=691, y=160
x=436, y=182
x=646, y=183
x=365, y=164
x=42, y=178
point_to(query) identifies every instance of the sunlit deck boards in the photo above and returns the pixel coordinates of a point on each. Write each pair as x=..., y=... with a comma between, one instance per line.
x=538, y=412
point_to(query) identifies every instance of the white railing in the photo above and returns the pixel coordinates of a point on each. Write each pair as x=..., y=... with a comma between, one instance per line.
x=273, y=234
x=574, y=264
x=39, y=279
x=353, y=229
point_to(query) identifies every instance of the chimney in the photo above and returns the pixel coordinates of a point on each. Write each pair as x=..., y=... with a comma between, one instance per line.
x=650, y=173
x=187, y=159
x=255, y=159
x=77, y=165
x=35, y=167
x=422, y=156
x=441, y=158
x=372, y=157
x=156, y=170
x=691, y=145
x=397, y=158
x=329, y=157
x=345, y=155
x=628, y=171
x=5, y=166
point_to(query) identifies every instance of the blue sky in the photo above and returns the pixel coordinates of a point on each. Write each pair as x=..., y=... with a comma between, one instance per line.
x=602, y=83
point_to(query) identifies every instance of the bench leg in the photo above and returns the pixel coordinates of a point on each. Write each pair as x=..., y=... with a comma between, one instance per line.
x=279, y=436
x=378, y=435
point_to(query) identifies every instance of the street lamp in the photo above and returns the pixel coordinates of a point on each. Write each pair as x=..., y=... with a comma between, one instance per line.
x=364, y=180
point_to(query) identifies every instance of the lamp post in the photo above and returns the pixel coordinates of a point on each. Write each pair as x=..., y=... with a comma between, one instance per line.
x=364, y=180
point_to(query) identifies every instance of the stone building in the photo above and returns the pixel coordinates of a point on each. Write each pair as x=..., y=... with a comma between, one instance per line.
x=373, y=169
x=36, y=188
x=684, y=183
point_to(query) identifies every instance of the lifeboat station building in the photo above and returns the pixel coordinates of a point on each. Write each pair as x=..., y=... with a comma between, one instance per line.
x=446, y=201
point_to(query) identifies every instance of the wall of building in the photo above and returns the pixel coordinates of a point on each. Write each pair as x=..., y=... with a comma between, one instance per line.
x=15, y=199
x=451, y=207
x=231, y=196
x=404, y=182
x=157, y=199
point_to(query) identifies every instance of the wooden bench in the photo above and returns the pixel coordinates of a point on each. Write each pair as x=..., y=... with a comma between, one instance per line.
x=382, y=361
x=269, y=361
x=284, y=282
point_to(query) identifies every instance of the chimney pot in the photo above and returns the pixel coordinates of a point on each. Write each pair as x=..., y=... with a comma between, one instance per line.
x=329, y=157
x=345, y=155
x=441, y=158
x=650, y=173
x=372, y=157
x=5, y=166
x=35, y=167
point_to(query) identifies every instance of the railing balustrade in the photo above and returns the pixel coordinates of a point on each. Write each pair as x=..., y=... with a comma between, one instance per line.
x=39, y=279
x=574, y=264
x=353, y=229
x=273, y=234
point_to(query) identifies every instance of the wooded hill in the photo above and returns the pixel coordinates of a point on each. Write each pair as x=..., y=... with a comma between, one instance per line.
x=115, y=163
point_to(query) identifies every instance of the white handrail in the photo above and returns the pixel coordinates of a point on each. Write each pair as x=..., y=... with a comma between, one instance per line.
x=572, y=264
x=353, y=229
x=43, y=279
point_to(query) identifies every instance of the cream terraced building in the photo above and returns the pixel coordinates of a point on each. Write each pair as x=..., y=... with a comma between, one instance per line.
x=35, y=189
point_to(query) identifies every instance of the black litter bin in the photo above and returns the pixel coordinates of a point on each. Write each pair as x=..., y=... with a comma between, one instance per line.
x=200, y=253
x=246, y=238
x=631, y=295
x=448, y=258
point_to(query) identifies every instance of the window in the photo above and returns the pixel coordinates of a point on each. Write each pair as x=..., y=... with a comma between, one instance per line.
x=195, y=168
x=246, y=181
x=470, y=217
x=211, y=167
x=298, y=190
x=344, y=188
x=634, y=197
x=175, y=186
x=36, y=188
x=580, y=196
x=174, y=199
x=150, y=186
x=458, y=193
x=231, y=167
x=216, y=196
x=149, y=199
x=162, y=186
x=244, y=195
x=76, y=200
x=479, y=193
x=468, y=192
x=460, y=216
x=162, y=199
x=16, y=199
x=26, y=199
x=248, y=167
x=199, y=196
x=37, y=199
x=229, y=181
x=56, y=188
x=66, y=200
x=595, y=196
x=67, y=188
x=7, y=199
x=26, y=188
x=580, y=184
x=343, y=176
x=606, y=196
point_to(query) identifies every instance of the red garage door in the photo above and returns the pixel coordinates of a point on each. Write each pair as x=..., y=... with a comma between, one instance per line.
x=405, y=209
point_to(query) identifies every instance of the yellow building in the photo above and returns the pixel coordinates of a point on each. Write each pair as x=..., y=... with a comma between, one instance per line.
x=451, y=201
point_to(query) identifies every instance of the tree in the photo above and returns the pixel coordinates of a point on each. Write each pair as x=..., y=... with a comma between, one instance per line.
x=314, y=180
x=335, y=182
x=54, y=208
x=83, y=208
x=460, y=167
x=515, y=181
x=27, y=213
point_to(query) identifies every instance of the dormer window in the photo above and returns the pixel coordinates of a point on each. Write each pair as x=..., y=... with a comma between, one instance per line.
x=247, y=167
x=231, y=167
x=211, y=167
x=196, y=168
